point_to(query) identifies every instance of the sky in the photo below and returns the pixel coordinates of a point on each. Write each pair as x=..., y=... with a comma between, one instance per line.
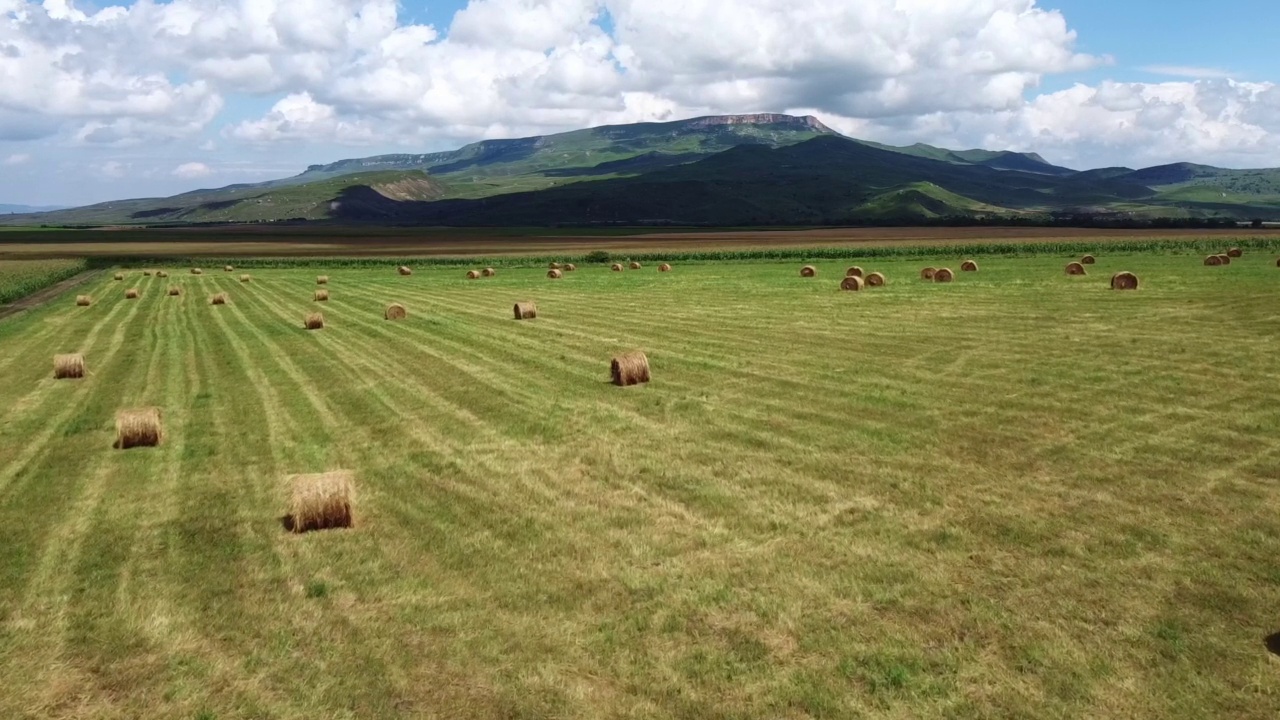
x=102, y=100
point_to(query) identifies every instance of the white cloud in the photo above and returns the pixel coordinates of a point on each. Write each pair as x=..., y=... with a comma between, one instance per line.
x=17, y=159
x=111, y=169
x=192, y=170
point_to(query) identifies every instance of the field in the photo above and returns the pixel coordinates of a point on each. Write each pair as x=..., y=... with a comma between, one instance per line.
x=1019, y=495
x=20, y=278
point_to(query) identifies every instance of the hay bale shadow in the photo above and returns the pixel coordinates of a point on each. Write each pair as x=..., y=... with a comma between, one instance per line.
x=1273, y=643
x=286, y=522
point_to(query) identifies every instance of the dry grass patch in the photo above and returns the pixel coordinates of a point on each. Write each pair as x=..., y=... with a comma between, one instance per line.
x=138, y=427
x=630, y=369
x=69, y=366
x=321, y=501
x=526, y=310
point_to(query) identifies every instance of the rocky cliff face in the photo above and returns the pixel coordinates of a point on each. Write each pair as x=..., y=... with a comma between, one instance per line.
x=807, y=122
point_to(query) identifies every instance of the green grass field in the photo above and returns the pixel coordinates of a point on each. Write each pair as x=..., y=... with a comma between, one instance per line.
x=1019, y=495
x=20, y=278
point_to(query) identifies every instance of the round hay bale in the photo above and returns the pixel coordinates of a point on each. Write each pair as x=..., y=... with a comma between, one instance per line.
x=927, y=273
x=852, y=283
x=1225, y=259
x=395, y=311
x=245, y=278
x=527, y=310
x=808, y=271
x=1235, y=252
x=555, y=274
x=320, y=502
x=854, y=271
x=616, y=267
x=473, y=275
x=119, y=276
x=68, y=367
x=1124, y=281
x=1278, y=262
x=1213, y=261
x=1088, y=260
x=162, y=274
x=322, y=279
x=943, y=275
x=227, y=268
x=635, y=266
x=174, y=291
x=1076, y=268
x=313, y=321
x=138, y=427
x=664, y=267
x=570, y=267
x=146, y=273
x=875, y=279
x=83, y=301
x=197, y=271
x=219, y=299
x=131, y=294
x=968, y=266
x=555, y=266
x=404, y=270
x=630, y=369
x=488, y=272
x=322, y=296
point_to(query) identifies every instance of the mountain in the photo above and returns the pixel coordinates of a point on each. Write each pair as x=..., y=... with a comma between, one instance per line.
x=8, y=209
x=734, y=169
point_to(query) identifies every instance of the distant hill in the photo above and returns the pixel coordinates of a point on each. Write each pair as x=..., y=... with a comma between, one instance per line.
x=733, y=169
x=7, y=209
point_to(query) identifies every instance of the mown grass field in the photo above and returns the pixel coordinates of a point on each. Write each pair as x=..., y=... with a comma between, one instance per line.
x=1019, y=495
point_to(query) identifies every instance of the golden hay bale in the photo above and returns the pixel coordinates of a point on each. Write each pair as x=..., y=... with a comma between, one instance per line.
x=219, y=299
x=404, y=270
x=1124, y=281
x=1278, y=262
x=245, y=278
x=162, y=274
x=1076, y=268
x=570, y=267
x=1213, y=261
x=395, y=311
x=322, y=296
x=808, y=271
x=174, y=291
x=664, y=267
x=146, y=273
x=635, y=266
x=554, y=266
x=488, y=272
x=968, y=266
x=555, y=274
x=854, y=271
x=630, y=369
x=927, y=273
x=527, y=310
x=84, y=300
x=617, y=267
x=852, y=283
x=321, y=501
x=875, y=279
x=131, y=294
x=943, y=275
x=322, y=279
x=313, y=321
x=473, y=275
x=227, y=268
x=1224, y=259
x=119, y=276
x=68, y=367
x=1088, y=260
x=197, y=271
x=1235, y=252
x=139, y=427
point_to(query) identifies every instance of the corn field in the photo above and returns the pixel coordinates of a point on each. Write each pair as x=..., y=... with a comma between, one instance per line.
x=19, y=278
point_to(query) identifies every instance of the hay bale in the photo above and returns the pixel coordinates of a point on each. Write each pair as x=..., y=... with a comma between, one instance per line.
x=527, y=310
x=854, y=271
x=630, y=369
x=119, y=276
x=473, y=275
x=1088, y=260
x=68, y=367
x=131, y=294
x=554, y=266
x=322, y=279
x=395, y=311
x=1235, y=252
x=313, y=321
x=852, y=283
x=321, y=501
x=635, y=266
x=1278, y=262
x=1213, y=261
x=968, y=266
x=488, y=272
x=174, y=291
x=664, y=267
x=1124, y=281
x=197, y=271
x=927, y=273
x=245, y=278
x=404, y=270
x=808, y=271
x=1224, y=259
x=875, y=279
x=322, y=296
x=139, y=427
x=227, y=268
x=1076, y=268
x=219, y=299
x=943, y=275
x=555, y=274
x=83, y=301
x=162, y=274
x=616, y=267
x=146, y=273
x=570, y=267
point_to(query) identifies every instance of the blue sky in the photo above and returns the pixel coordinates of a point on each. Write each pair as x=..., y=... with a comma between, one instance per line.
x=100, y=102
